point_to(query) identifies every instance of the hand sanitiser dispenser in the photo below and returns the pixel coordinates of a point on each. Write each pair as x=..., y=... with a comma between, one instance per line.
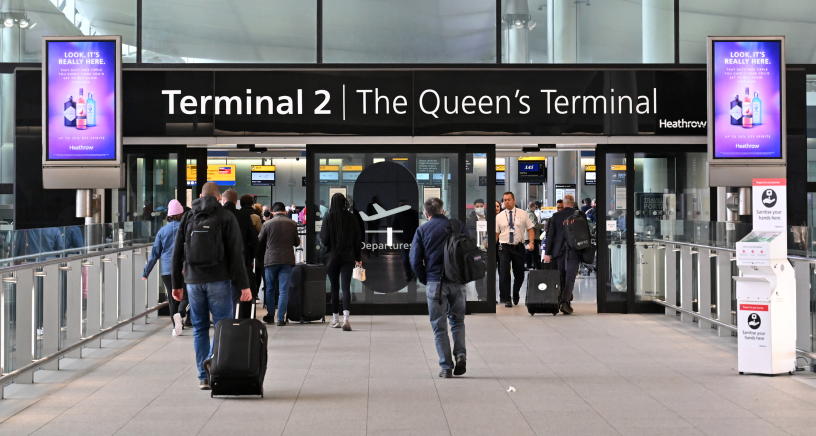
x=766, y=288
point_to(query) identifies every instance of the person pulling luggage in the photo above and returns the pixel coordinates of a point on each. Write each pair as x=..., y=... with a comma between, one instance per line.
x=567, y=259
x=277, y=239
x=208, y=254
x=343, y=241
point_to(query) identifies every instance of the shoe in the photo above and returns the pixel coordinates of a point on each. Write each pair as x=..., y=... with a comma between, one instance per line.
x=269, y=319
x=446, y=373
x=564, y=308
x=335, y=324
x=173, y=332
x=346, y=325
x=569, y=308
x=515, y=301
x=281, y=323
x=508, y=304
x=177, y=325
x=204, y=385
x=461, y=365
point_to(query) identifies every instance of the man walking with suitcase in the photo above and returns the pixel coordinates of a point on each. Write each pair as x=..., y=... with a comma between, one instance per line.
x=249, y=237
x=566, y=258
x=207, y=256
x=278, y=238
x=513, y=226
x=444, y=298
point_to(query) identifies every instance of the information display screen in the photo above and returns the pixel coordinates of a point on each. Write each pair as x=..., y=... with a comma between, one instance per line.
x=81, y=100
x=328, y=176
x=589, y=178
x=499, y=177
x=351, y=175
x=532, y=172
x=262, y=175
x=747, y=98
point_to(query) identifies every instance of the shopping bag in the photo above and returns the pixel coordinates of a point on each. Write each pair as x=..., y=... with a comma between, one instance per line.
x=359, y=273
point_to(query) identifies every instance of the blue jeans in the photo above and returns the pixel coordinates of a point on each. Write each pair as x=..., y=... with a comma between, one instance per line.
x=281, y=272
x=206, y=298
x=453, y=305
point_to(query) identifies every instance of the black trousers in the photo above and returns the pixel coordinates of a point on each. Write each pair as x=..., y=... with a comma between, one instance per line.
x=339, y=272
x=534, y=257
x=568, y=264
x=405, y=255
x=245, y=311
x=510, y=257
x=179, y=307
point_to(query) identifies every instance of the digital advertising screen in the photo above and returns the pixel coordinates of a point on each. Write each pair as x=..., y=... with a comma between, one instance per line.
x=81, y=105
x=747, y=100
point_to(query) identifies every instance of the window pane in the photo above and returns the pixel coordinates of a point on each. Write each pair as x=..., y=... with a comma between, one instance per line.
x=568, y=31
x=210, y=31
x=810, y=87
x=428, y=31
x=33, y=19
x=792, y=18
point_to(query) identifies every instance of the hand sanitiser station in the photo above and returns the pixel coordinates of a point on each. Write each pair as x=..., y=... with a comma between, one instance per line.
x=766, y=289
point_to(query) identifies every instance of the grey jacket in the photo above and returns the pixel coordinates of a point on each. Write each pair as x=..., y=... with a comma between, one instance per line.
x=277, y=238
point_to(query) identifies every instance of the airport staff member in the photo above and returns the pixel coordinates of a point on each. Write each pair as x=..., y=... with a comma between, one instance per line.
x=511, y=223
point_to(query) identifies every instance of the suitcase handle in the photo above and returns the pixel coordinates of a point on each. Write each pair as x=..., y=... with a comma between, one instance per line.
x=238, y=307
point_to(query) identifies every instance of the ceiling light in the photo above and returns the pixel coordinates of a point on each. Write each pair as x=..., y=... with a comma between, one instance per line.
x=8, y=22
x=24, y=23
x=518, y=24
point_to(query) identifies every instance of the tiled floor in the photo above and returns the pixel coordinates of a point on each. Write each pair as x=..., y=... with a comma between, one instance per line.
x=582, y=374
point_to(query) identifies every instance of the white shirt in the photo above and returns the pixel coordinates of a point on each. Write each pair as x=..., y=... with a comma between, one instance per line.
x=521, y=223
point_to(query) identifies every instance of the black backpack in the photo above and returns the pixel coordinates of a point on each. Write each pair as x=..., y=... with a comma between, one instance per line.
x=576, y=231
x=204, y=245
x=464, y=262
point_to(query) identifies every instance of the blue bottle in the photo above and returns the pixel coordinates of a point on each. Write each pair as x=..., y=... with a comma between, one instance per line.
x=90, y=107
x=757, y=105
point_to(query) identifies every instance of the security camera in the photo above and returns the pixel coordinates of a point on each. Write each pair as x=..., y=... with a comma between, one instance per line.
x=297, y=158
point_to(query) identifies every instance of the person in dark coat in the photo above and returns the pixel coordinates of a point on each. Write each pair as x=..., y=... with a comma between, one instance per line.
x=567, y=259
x=343, y=241
x=249, y=236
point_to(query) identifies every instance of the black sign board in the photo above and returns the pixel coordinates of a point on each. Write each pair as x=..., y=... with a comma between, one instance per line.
x=468, y=163
x=532, y=171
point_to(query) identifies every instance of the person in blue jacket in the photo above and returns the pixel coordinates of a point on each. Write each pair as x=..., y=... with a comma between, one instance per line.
x=163, y=248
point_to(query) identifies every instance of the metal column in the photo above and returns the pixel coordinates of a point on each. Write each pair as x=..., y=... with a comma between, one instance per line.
x=685, y=283
x=671, y=279
x=24, y=325
x=704, y=286
x=73, y=305
x=93, y=319
x=51, y=313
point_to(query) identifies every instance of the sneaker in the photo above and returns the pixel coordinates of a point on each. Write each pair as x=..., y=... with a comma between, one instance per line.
x=281, y=323
x=177, y=325
x=173, y=332
x=446, y=373
x=204, y=385
x=461, y=365
x=346, y=325
x=335, y=324
x=508, y=304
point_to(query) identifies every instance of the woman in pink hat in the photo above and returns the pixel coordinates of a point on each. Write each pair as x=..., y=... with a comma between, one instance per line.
x=163, y=248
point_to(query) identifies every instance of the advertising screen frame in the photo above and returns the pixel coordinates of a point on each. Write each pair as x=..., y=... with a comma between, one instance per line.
x=117, y=40
x=710, y=71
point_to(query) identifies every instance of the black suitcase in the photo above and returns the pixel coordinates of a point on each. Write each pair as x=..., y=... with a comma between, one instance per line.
x=307, y=293
x=543, y=290
x=238, y=363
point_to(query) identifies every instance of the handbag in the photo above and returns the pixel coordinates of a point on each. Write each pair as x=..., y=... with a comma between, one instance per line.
x=359, y=273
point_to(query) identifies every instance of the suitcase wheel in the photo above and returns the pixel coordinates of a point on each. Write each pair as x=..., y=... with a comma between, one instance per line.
x=532, y=314
x=555, y=313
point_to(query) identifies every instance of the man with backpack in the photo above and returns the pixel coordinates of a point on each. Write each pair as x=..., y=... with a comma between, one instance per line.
x=208, y=255
x=567, y=258
x=445, y=296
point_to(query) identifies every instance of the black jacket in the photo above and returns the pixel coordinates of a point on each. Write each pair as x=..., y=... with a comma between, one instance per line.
x=353, y=250
x=231, y=268
x=249, y=235
x=556, y=245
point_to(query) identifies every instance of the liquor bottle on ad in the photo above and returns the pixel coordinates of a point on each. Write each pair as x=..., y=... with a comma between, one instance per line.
x=736, y=111
x=82, y=116
x=757, y=103
x=69, y=112
x=90, y=107
x=747, y=112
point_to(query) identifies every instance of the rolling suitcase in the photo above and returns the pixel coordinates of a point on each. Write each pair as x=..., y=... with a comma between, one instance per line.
x=543, y=289
x=238, y=363
x=307, y=293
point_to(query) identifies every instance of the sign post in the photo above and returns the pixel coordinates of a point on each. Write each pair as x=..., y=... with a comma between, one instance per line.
x=766, y=291
x=82, y=112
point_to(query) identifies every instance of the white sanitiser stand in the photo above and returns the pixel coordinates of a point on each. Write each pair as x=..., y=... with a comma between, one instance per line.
x=766, y=305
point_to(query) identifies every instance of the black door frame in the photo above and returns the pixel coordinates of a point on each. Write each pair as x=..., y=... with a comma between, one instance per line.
x=489, y=150
x=629, y=151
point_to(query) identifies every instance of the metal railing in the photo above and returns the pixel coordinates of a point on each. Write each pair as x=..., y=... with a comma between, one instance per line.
x=57, y=307
x=696, y=282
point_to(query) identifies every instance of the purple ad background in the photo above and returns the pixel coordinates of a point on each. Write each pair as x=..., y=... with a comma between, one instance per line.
x=767, y=137
x=101, y=137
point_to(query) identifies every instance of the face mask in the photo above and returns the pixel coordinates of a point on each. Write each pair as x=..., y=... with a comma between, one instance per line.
x=479, y=210
x=267, y=214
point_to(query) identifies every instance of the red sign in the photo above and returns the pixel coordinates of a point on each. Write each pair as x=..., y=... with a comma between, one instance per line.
x=769, y=182
x=754, y=307
x=224, y=170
